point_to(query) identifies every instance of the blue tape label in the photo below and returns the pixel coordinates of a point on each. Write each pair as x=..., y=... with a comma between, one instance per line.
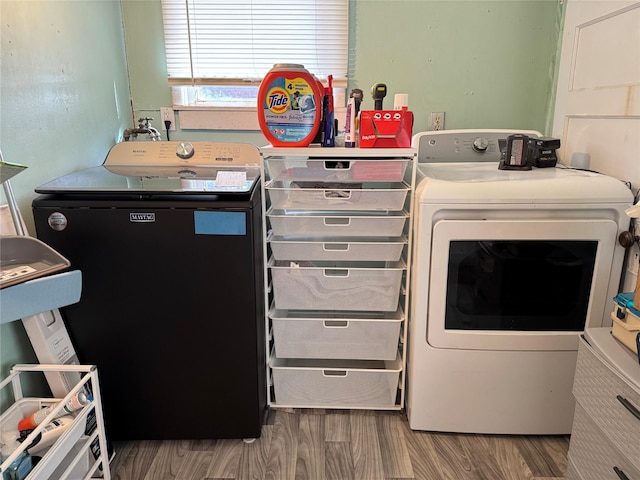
x=220, y=223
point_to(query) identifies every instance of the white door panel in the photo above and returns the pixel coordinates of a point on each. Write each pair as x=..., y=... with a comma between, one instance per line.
x=600, y=44
x=597, y=135
x=598, y=94
x=598, y=98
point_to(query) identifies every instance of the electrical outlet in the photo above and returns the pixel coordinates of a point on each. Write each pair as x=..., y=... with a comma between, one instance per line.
x=437, y=120
x=167, y=113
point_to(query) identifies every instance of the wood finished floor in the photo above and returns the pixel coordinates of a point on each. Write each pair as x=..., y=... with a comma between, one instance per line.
x=345, y=445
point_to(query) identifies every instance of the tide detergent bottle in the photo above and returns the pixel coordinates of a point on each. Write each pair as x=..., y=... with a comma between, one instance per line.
x=289, y=105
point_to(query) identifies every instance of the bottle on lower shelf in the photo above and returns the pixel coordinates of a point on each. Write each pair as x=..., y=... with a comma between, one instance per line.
x=21, y=466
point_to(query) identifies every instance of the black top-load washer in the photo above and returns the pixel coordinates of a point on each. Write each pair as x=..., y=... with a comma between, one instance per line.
x=168, y=237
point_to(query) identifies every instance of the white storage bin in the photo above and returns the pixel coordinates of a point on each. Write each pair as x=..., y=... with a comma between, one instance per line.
x=82, y=466
x=374, y=286
x=23, y=408
x=385, y=249
x=337, y=169
x=326, y=224
x=27, y=406
x=337, y=336
x=73, y=450
x=309, y=196
x=335, y=383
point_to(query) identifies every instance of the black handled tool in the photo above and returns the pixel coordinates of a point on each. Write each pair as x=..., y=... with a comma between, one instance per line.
x=378, y=92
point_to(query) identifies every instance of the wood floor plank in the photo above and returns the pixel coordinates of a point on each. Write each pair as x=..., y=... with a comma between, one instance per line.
x=284, y=446
x=393, y=448
x=195, y=465
x=133, y=459
x=510, y=460
x=365, y=448
x=558, y=448
x=493, y=458
x=307, y=444
x=534, y=452
x=482, y=457
x=337, y=428
x=226, y=459
x=338, y=461
x=422, y=453
x=310, y=459
x=253, y=462
x=167, y=461
x=452, y=457
x=202, y=445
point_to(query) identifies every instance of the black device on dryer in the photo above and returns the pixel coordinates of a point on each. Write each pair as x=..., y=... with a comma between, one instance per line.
x=514, y=153
x=542, y=151
x=521, y=152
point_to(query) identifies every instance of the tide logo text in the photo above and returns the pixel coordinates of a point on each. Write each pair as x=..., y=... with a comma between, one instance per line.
x=277, y=100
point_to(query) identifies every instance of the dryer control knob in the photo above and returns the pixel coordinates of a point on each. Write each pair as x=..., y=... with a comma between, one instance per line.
x=480, y=144
x=185, y=150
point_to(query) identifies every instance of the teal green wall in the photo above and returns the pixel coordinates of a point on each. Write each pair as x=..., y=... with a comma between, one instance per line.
x=64, y=101
x=65, y=88
x=486, y=64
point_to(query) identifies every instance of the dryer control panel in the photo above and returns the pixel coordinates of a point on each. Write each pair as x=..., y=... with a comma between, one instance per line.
x=463, y=145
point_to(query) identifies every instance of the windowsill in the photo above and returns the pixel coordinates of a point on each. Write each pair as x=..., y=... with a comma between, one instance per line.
x=228, y=118
x=217, y=118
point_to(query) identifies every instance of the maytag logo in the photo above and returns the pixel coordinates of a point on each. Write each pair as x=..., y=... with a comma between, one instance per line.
x=142, y=217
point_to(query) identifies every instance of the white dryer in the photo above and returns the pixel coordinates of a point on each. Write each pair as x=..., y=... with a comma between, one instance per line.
x=509, y=267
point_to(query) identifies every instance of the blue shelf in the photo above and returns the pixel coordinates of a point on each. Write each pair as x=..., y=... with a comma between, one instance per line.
x=40, y=295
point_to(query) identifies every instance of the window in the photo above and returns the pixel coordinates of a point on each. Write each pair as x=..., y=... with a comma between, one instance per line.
x=219, y=51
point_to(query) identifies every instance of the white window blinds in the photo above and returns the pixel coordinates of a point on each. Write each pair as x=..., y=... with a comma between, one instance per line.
x=218, y=42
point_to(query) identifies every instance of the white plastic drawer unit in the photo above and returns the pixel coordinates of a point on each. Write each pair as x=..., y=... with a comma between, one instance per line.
x=335, y=383
x=610, y=400
x=386, y=249
x=330, y=224
x=593, y=454
x=337, y=169
x=334, y=286
x=337, y=196
x=344, y=335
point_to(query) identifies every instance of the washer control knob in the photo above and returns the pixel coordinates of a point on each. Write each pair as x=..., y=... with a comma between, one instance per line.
x=185, y=150
x=480, y=144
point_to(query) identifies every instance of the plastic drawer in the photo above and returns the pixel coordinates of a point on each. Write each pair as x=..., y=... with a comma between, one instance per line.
x=321, y=196
x=596, y=389
x=337, y=169
x=374, y=286
x=335, y=383
x=385, y=249
x=593, y=454
x=337, y=336
x=327, y=224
